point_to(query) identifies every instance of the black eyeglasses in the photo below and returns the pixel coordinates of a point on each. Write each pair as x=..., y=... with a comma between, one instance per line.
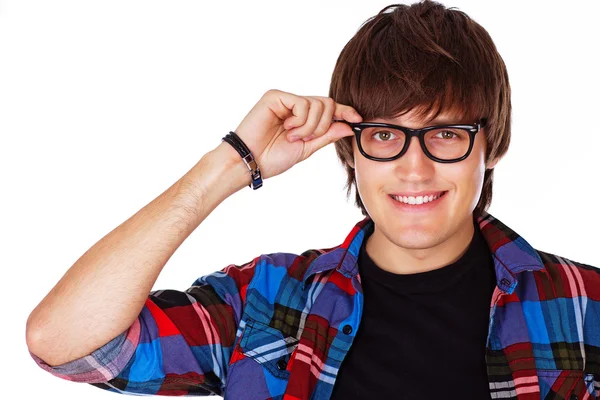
x=378, y=141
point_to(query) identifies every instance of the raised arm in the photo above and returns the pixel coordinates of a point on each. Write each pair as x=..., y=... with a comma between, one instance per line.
x=100, y=325
x=109, y=284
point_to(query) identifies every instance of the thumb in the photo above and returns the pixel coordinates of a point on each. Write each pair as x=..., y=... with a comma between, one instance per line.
x=336, y=131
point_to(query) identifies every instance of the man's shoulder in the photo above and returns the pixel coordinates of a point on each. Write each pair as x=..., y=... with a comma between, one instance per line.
x=317, y=261
x=298, y=262
x=576, y=277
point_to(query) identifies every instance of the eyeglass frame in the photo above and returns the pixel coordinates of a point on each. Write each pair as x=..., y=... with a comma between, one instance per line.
x=472, y=129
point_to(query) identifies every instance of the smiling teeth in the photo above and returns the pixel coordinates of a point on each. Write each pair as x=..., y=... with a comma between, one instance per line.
x=416, y=200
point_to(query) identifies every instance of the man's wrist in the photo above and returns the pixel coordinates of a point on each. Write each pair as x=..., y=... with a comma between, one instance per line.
x=220, y=172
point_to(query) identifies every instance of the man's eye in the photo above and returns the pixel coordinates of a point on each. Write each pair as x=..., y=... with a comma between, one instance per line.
x=384, y=135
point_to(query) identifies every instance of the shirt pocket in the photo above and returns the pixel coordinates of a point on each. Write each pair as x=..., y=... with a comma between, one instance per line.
x=566, y=384
x=268, y=346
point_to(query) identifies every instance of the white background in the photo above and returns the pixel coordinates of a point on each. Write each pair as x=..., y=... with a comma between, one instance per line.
x=104, y=104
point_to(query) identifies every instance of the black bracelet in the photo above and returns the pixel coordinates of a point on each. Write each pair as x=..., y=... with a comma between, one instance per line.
x=234, y=140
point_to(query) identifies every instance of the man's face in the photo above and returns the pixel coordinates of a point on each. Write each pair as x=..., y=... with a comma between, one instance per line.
x=415, y=172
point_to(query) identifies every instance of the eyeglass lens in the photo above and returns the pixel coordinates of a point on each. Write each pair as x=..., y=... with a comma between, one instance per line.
x=443, y=143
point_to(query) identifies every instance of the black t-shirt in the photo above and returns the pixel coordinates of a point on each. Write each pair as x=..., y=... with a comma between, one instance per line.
x=422, y=333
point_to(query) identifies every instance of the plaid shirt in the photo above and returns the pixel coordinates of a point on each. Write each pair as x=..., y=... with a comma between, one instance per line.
x=279, y=326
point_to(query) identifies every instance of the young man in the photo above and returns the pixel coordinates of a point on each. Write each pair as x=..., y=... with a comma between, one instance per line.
x=428, y=296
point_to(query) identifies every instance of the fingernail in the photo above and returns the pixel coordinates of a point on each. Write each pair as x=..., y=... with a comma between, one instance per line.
x=293, y=138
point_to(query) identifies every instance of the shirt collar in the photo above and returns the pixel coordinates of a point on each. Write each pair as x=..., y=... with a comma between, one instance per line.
x=510, y=252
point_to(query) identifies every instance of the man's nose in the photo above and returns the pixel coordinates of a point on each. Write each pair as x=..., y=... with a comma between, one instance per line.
x=415, y=152
x=414, y=165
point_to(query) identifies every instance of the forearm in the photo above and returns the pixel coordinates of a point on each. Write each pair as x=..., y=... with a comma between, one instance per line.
x=102, y=294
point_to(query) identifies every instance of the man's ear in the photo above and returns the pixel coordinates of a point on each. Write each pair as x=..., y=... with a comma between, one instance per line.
x=492, y=163
x=350, y=159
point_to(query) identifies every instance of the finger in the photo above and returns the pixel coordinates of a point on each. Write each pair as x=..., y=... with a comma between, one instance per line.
x=336, y=131
x=314, y=116
x=288, y=107
x=299, y=106
x=326, y=117
x=342, y=111
x=347, y=113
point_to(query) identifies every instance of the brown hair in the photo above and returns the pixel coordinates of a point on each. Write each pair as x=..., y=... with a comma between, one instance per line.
x=429, y=59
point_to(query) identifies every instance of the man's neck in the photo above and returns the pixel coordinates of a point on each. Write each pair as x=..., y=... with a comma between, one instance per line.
x=401, y=260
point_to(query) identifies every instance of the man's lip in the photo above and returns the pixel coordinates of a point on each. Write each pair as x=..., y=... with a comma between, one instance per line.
x=417, y=194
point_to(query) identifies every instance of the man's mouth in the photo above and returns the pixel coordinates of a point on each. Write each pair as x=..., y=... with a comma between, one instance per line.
x=418, y=200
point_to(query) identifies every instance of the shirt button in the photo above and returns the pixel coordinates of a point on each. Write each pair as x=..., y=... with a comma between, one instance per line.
x=281, y=364
x=347, y=329
x=573, y=397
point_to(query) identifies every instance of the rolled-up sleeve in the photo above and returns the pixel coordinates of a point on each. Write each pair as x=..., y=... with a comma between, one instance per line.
x=103, y=364
x=180, y=343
